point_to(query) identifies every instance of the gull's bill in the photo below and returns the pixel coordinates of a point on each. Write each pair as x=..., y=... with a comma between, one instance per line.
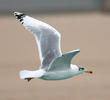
x=89, y=71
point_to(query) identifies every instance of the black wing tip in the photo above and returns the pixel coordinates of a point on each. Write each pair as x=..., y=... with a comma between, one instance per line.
x=19, y=16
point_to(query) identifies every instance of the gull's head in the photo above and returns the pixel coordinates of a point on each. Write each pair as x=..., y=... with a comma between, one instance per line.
x=80, y=69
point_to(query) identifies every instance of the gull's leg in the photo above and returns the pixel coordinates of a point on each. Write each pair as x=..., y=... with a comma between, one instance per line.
x=28, y=79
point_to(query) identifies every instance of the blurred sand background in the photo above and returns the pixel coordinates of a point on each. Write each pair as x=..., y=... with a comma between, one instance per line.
x=89, y=32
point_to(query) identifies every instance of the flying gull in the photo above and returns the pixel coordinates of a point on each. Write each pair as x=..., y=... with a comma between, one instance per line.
x=54, y=64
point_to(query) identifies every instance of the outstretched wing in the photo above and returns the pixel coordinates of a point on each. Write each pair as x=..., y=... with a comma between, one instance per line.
x=63, y=62
x=48, y=39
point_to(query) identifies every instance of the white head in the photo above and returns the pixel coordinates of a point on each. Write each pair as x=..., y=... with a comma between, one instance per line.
x=80, y=69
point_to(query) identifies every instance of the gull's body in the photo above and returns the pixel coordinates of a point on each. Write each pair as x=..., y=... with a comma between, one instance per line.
x=61, y=75
x=54, y=64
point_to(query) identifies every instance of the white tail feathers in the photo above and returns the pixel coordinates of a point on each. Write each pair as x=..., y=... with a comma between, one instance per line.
x=31, y=74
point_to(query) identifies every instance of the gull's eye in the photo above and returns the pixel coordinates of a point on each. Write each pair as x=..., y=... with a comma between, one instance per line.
x=81, y=68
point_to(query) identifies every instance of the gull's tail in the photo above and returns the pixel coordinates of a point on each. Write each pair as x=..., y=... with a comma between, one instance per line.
x=25, y=74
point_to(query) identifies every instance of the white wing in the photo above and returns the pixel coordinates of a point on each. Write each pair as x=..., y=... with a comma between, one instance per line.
x=48, y=39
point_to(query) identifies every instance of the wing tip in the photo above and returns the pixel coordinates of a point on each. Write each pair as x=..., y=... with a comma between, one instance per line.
x=19, y=16
x=78, y=50
x=15, y=13
x=74, y=51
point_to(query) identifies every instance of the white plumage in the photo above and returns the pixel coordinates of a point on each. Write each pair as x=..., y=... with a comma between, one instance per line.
x=54, y=65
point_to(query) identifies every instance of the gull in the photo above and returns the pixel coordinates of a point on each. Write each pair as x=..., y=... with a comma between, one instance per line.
x=54, y=64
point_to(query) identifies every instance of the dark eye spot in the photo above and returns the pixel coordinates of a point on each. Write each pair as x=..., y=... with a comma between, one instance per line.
x=81, y=68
